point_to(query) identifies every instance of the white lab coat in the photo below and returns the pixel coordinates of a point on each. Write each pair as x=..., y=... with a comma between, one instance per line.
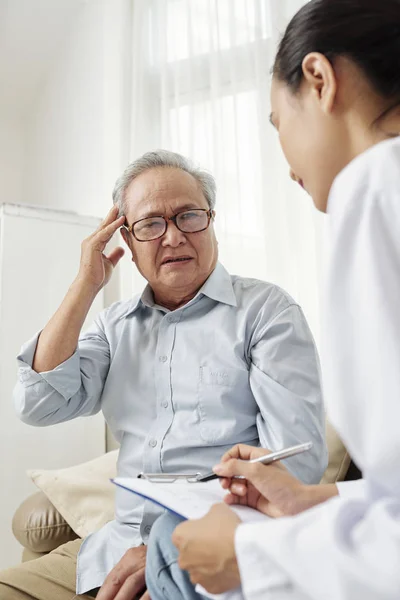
x=349, y=547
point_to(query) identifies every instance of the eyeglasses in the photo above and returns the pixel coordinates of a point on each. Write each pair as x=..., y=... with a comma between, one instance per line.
x=188, y=221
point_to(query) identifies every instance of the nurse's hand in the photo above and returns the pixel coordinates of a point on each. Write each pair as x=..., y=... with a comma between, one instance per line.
x=207, y=549
x=271, y=489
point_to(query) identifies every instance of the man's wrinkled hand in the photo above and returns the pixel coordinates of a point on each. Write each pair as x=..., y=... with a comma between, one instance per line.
x=96, y=268
x=207, y=549
x=127, y=579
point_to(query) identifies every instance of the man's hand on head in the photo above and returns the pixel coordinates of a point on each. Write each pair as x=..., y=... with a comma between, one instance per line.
x=95, y=267
x=127, y=579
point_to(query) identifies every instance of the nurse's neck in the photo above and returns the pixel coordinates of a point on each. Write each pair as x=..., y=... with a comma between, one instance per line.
x=366, y=117
x=369, y=127
x=391, y=127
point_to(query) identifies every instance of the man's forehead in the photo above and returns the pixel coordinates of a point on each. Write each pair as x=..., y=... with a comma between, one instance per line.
x=162, y=189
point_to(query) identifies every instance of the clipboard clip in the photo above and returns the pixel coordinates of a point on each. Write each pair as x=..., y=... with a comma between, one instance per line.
x=170, y=477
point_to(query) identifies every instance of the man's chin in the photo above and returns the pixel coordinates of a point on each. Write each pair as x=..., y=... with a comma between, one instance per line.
x=182, y=281
x=175, y=279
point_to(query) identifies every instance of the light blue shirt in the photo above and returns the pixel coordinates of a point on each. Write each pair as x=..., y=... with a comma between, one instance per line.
x=235, y=364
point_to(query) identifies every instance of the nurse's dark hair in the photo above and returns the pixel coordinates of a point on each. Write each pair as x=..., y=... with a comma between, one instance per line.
x=365, y=31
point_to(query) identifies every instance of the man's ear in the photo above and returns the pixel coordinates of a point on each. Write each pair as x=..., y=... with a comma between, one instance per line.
x=321, y=78
x=128, y=241
x=126, y=237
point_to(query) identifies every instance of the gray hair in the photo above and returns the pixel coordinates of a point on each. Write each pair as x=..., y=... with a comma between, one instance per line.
x=162, y=159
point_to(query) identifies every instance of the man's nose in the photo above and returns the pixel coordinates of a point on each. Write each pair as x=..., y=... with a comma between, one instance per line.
x=173, y=236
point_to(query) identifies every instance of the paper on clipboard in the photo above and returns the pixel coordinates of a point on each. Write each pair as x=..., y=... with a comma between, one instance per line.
x=186, y=500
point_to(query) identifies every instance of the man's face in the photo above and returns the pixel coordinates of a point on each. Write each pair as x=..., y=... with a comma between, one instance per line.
x=166, y=192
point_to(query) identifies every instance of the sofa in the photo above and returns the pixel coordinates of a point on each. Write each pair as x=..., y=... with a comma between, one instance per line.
x=76, y=501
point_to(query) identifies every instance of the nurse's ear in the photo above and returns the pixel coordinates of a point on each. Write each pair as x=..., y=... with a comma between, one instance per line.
x=321, y=79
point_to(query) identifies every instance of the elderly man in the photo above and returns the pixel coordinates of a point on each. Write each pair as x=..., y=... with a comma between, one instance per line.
x=199, y=361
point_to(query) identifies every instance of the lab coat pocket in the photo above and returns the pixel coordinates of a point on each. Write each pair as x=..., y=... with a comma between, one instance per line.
x=226, y=405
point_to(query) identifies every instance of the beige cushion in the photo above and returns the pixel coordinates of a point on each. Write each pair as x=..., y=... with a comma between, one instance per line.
x=82, y=494
x=339, y=458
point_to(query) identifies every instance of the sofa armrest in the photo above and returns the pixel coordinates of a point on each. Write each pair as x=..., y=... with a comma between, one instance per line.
x=339, y=458
x=28, y=555
x=39, y=527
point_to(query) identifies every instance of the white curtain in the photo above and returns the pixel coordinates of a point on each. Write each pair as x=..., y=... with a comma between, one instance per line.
x=200, y=86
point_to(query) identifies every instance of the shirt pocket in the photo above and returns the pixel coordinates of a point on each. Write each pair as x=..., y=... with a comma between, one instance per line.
x=226, y=406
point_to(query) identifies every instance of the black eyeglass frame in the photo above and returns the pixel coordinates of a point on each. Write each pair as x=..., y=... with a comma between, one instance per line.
x=210, y=214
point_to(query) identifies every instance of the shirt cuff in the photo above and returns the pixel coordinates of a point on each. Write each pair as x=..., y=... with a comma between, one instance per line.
x=352, y=489
x=259, y=574
x=65, y=378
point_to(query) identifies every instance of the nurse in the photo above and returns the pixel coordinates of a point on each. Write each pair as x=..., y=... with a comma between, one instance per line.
x=336, y=106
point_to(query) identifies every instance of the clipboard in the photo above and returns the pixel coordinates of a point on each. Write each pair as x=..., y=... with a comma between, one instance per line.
x=266, y=459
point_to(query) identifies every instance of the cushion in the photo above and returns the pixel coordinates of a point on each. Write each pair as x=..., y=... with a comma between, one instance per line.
x=83, y=494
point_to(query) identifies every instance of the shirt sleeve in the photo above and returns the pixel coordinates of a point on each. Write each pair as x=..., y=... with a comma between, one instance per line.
x=72, y=389
x=341, y=549
x=285, y=381
x=349, y=547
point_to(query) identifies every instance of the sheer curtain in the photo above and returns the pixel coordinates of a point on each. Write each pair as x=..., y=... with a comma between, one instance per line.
x=200, y=86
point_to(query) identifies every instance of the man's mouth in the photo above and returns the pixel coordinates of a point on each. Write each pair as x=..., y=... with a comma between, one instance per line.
x=178, y=259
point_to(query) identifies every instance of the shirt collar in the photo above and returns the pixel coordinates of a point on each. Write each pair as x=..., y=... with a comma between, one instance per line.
x=146, y=298
x=217, y=287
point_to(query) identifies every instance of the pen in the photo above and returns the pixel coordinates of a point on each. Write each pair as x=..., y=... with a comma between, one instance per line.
x=266, y=459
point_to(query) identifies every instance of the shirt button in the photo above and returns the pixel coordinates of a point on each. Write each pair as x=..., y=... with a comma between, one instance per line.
x=170, y=319
x=165, y=404
x=163, y=358
x=147, y=529
x=153, y=443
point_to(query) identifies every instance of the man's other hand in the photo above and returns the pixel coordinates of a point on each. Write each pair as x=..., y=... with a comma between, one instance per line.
x=127, y=579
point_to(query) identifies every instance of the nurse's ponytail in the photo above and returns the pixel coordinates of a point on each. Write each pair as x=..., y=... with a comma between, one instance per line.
x=365, y=31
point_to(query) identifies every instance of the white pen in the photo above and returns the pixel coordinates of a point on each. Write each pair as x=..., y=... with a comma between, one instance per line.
x=266, y=459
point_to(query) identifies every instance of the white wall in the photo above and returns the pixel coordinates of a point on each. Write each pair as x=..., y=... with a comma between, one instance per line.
x=75, y=144
x=65, y=141
x=76, y=137
x=12, y=157
x=66, y=132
